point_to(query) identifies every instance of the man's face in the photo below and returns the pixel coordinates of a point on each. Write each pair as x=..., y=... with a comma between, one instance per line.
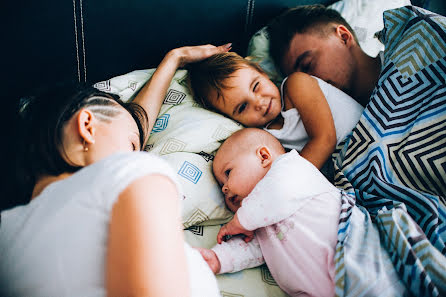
x=327, y=57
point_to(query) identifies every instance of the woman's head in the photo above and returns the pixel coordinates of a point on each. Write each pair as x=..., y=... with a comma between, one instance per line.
x=242, y=161
x=71, y=126
x=237, y=88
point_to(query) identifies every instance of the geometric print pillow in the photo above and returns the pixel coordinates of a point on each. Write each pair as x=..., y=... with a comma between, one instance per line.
x=187, y=136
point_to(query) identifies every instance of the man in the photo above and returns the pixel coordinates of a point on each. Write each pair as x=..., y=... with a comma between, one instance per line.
x=317, y=40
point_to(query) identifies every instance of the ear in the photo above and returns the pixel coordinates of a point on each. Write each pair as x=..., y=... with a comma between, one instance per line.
x=264, y=156
x=345, y=35
x=86, y=125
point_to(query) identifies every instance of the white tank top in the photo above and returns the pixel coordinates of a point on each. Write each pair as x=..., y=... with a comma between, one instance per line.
x=344, y=110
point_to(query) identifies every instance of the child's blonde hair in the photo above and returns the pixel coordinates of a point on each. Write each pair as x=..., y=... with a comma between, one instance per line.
x=211, y=73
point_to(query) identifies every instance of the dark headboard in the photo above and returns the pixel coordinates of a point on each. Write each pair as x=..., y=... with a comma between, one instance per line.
x=88, y=41
x=94, y=40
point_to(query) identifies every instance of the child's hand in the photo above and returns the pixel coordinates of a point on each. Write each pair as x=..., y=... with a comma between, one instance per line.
x=191, y=54
x=211, y=258
x=234, y=228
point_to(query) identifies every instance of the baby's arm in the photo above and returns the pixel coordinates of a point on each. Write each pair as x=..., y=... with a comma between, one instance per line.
x=211, y=259
x=233, y=255
x=233, y=227
x=303, y=92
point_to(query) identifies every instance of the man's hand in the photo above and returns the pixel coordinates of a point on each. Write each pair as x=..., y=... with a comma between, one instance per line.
x=211, y=258
x=234, y=228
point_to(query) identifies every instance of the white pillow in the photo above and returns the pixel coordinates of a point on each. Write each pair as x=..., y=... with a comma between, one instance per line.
x=364, y=16
x=186, y=136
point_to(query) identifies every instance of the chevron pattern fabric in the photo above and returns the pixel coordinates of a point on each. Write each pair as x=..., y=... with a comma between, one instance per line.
x=395, y=159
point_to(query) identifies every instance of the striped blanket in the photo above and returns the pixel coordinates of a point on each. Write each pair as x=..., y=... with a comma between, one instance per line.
x=393, y=168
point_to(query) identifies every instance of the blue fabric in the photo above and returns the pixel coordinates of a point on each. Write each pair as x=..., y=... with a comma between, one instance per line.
x=394, y=163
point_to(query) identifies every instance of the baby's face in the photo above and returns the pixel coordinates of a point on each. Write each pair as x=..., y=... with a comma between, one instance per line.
x=251, y=98
x=237, y=173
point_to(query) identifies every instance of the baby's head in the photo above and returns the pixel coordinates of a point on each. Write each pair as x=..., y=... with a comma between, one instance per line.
x=237, y=88
x=242, y=161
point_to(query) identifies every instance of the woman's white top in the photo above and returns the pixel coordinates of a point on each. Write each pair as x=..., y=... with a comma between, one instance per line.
x=344, y=110
x=56, y=245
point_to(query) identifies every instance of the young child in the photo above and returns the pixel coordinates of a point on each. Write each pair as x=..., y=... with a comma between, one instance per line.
x=311, y=116
x=292, y=207
x=289, y=214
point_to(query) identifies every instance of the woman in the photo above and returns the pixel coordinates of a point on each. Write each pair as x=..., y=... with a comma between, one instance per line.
x=101, y=221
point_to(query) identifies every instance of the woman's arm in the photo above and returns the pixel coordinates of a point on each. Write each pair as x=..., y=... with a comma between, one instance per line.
x=303, y=92
x=145, y=254
x=152, y=95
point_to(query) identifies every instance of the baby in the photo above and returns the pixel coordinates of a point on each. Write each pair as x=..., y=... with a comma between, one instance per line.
x=308, y=114
x=286, y=210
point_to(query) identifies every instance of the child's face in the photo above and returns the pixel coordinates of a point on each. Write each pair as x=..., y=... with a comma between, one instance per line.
x=237, y=173
x=251, y=98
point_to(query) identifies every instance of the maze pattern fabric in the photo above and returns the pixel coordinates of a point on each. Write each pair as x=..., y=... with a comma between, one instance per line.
x=395, y=160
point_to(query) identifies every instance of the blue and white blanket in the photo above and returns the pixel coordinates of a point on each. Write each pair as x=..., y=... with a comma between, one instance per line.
x=393, y=168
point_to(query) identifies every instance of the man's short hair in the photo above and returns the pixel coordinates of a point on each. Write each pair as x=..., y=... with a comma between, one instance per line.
x=211, y=73
x=300, y=19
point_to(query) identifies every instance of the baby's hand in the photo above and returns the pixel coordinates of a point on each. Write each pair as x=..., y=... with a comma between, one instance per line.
x=211, y=258
x=234, y=228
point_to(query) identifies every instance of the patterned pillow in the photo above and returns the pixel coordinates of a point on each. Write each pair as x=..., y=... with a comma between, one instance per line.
x=364, y=16
x=187, y=136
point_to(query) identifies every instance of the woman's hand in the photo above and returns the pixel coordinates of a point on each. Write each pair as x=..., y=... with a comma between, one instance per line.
x=190, y=54
x=153, y=93
x=234, y=228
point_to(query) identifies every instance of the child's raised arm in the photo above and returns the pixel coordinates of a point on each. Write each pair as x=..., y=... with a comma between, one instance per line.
x=152, y=94
x=303, y=93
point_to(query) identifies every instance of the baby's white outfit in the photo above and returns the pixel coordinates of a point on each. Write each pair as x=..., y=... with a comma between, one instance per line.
x=344, y=110
x=56, y=245
x=295, y=212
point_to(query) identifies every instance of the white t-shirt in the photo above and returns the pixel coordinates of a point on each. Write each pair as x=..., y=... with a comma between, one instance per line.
x=344, y=110
x=56, y=244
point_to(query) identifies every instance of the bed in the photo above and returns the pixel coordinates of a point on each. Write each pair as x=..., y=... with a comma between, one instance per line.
x=393, y=165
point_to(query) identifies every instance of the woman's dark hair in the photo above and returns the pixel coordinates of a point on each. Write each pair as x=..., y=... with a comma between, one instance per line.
x=43, y=117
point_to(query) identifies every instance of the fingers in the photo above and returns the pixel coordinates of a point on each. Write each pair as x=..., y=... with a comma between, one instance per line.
x=226, y=47
x=209, y=49
x=191, y=54
x=221, y=234
x=248, y=236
